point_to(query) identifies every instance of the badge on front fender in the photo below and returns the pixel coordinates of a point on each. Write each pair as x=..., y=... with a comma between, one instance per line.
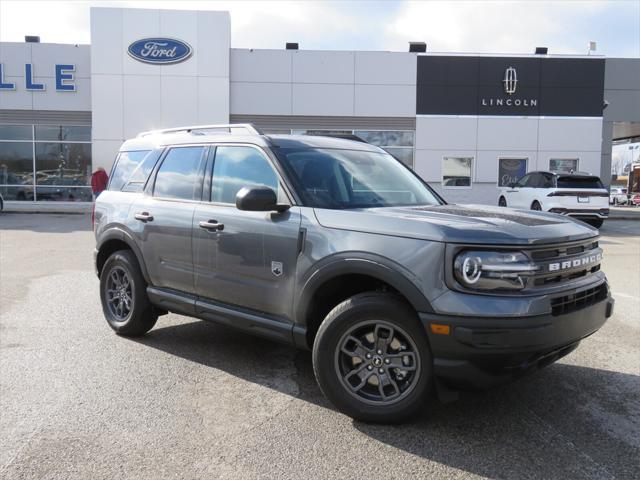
x=277, y=269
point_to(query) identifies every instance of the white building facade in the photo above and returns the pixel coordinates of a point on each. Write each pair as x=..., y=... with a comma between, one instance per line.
x=466, y=123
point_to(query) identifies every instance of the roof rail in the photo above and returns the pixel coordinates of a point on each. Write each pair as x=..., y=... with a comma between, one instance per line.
x=224, y=128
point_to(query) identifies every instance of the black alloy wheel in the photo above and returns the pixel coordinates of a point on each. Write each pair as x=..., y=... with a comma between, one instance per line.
x=123, y=292
x=119, y=293
x=377, y=362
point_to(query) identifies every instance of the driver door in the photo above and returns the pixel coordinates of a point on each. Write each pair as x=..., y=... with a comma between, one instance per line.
x=249, y=259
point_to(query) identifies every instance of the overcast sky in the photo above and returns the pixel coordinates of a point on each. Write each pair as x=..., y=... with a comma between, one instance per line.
x=446, y=26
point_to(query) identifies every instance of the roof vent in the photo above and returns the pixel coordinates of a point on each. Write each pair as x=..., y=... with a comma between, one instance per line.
x=541, y=50
x=32, y=39
x=291, y=46
x=417, y=47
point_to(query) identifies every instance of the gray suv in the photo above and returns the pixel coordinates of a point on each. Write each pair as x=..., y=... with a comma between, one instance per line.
x=335, y=246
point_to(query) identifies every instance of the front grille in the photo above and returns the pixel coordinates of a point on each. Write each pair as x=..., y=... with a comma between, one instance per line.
x=578, y=301
x=561, y=264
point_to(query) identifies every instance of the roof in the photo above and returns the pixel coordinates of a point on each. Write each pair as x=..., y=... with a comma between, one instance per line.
x=212, y=134
x=565, y=174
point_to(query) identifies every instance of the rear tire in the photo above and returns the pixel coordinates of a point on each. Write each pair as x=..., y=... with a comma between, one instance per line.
x=372, y=360
x=502, y=202
x=123, y=292
x=536, y=206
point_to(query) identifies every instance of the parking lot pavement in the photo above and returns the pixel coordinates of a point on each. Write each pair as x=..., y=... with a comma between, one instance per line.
x=194, y=400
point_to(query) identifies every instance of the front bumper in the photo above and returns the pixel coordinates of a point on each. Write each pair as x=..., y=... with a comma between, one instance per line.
x=483, y=352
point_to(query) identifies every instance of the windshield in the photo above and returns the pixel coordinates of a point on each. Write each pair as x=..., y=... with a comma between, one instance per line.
x=344, y=179
x=579, y=182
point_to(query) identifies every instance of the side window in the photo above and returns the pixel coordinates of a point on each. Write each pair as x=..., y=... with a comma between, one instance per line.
x=179, y=175
x=547, y=181
x=127, y=164
x=235, y=167
x=535, y=181
x=524, y=181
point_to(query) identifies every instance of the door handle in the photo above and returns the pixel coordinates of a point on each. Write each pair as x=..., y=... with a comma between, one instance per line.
x=143, y=217
x=211, y=225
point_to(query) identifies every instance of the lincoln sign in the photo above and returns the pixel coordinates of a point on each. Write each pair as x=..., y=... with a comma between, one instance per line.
x=510, y=83
x=535, y=85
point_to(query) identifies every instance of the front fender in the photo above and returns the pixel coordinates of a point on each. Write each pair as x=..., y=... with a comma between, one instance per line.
x=362, y=263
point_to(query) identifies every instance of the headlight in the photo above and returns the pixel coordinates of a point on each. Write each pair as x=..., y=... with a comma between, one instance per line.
x=480, y=270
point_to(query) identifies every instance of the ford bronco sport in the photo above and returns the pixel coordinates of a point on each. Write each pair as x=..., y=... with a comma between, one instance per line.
x=335, y=246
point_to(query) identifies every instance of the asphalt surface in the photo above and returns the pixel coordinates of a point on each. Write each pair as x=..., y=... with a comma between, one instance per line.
x=194, y=400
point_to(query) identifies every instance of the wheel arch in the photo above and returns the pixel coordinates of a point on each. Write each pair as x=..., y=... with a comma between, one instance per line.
x=117, y=239
x=342, y=277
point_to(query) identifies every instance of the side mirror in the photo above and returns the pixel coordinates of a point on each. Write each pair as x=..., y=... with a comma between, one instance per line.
x=512, y=185
x=259, y=199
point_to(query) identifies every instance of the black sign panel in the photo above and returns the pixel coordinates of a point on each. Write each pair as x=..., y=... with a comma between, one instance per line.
x=458, y=85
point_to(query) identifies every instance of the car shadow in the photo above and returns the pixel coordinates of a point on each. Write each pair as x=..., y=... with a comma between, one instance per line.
x=563, y=421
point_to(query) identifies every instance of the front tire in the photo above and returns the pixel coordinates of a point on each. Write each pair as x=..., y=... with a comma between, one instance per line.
x=502, y=202
x=123, y=293
x=372, y=360
x=536, y=206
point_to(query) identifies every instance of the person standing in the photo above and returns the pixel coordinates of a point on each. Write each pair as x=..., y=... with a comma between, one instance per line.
x=99, y=180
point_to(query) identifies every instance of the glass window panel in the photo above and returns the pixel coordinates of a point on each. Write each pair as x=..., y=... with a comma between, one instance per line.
x=623, y=155
x=344, y=179
x=405, y=155
x=238, y=167
x=15, y=132
x=456, y=171
x=63, y=194
x=388, y=138
x=524, y=181
x=510, y=170
x=63, y=133
x=19, y=193
x=63, y=163
x=16, y=163
x=131, y=167
x=580, y=182
x=566, y=165
x=179, y=174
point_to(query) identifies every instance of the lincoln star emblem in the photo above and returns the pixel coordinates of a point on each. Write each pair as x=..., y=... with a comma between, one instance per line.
x=510, y=81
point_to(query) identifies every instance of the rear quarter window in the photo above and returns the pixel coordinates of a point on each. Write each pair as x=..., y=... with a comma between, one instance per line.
x=579, y=182
x=132, y=169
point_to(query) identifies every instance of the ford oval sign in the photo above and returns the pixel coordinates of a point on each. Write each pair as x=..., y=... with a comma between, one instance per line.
x=159, y=51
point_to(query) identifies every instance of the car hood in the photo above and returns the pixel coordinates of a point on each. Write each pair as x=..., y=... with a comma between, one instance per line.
x=472, y=224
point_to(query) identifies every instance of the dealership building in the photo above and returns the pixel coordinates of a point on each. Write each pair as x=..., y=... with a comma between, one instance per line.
x=466, y=123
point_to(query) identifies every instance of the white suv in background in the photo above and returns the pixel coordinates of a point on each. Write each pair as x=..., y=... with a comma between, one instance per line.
x=579, y=195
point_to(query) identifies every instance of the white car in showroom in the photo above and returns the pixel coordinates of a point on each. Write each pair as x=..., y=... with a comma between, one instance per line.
x=579, y=195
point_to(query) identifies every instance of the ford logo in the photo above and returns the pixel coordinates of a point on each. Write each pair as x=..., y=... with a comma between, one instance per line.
x=160, y=51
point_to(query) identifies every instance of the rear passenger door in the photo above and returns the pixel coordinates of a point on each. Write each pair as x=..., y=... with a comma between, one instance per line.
x=164, y=216
x=249, y=260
